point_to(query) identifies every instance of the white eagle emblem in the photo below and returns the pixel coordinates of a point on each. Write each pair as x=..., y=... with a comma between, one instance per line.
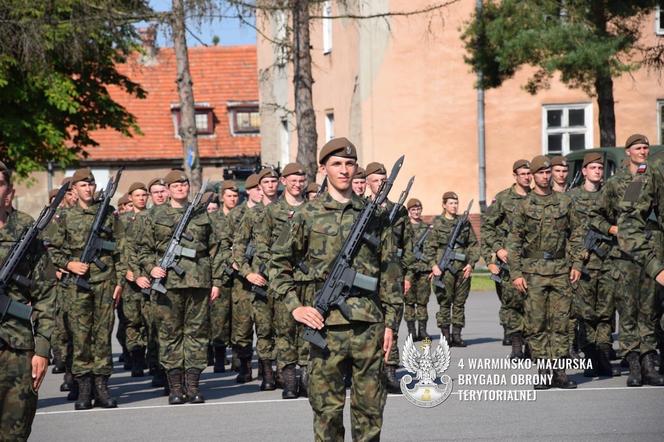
x=427, y=368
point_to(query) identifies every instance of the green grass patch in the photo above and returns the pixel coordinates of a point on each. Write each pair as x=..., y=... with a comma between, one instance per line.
x=481, y=282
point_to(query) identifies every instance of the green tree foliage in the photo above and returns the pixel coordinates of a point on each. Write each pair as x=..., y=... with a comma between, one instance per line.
x=586, y=42
x=57, y=61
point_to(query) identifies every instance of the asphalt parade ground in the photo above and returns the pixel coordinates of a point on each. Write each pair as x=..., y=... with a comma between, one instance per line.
x=600, y=409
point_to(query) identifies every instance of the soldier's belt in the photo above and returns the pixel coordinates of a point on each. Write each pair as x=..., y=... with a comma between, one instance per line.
x=559, y=254
x=14, y=308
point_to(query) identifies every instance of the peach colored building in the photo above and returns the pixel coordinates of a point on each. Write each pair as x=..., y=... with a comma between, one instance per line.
x=400, y=85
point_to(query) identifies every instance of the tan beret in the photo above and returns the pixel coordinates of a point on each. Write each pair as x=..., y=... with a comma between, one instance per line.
x=559, y=161
x=413, y=202
x=267, y=172
x=636, y=139
x=155, y=182
x=83, y=174
x=375, y=168
x=360, y=174
x=251, y=182
x=593, y=157
x=518, y=164
x=293, y=169
x=340, y=147
x=124, y=199
x=136, y=186
x=313, y=188
x=229, y=185
x=175, y=176
x=450, y=196
x=66, y=182
x=539, y=162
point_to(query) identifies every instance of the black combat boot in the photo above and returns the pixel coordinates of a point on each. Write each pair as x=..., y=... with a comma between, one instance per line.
x=244, y=373
x=126, y=359
x=235, y=361
x=278, y=377
x=137, y=362
x=560, y=380
x=84, y=392
x=517, y=347
x=59, y=365
x=176, y=396
x=268, y=382
x=542, y=372
x=526, y=350
x=649, y=371
x=73, y=391
x=456, y=337
x=661, y=361
x=192, y=381
x=304, y=382
x=159, y=378
x=220, y=359
x=634, y=379
x=210, y=355
x=445, y=333
x=591, y=353
x=507, y=340
x=103, y=398
x=410, y=325
x=67, y=382
x=422, y=330
x=604, y=361
x=392, y=383
x=289, y=377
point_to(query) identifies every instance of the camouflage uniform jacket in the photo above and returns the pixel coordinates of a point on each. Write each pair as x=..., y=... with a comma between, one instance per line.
x=584, y=203
x=225, y=232
x=315, y=236
x=440, y=235
x=418, y=265
x=131, y=222
x=245, y=239
x=72, y=230
x=17, y=333
x=496, y=222
x=402, y=232
x=202, y=271
x=546, y=236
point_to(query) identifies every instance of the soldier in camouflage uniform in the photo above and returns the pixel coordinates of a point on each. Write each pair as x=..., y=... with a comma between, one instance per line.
x=360, y=182
x=495, y=227
x=24, y=346
x=182, y=310
x=90, y=313
x=593, y=295
x=290, y=347
x=544, y=246
x=629, y=209
x=312, y=191
x=419, y=291
x=316, y=235
x=121, y=332
x=457, y=284
x=220, y=309
x=253, y=268
x=402, y=231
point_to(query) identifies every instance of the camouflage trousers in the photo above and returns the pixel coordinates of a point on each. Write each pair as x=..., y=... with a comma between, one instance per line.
x=121, y=332
x=61, y=337
x=220, y=318
x=263, y=311
x=183, y=328
x=18, y=401
x=90, y=319
x=291, y=348
x=141, y=325
x=637, y=313
x=511, y=307
x=417, y=298
x=593, y=305
x=360, y=346
x=502, y=311
x=547, y=309
x=242, y=314
x=452, y=300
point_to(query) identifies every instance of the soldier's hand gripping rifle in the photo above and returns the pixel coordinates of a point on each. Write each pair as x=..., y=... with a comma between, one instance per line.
x=449, y=256
x=257, y=290
x=174, y=250
x=593, y=241
x=418, y=248
x=8, y=270
x=402, y=200
x=94, y=245
x=503, y=271
x=342, y=277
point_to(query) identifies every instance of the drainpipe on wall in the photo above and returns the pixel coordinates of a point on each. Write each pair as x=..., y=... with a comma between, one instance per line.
x=480, y=131
x=49, y=176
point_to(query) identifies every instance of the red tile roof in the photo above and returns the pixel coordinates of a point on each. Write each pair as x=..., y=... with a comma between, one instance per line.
x=221, y=74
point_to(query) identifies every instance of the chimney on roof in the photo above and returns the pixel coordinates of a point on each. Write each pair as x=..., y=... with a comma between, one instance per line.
x=148, y=38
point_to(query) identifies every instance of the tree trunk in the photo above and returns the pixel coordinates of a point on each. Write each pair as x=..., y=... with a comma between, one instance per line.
x=187, y=127
x=607, y=115
x=307, y=138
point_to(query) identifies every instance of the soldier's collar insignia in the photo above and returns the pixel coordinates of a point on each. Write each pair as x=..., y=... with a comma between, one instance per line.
x=291, y=213
x=642, y=168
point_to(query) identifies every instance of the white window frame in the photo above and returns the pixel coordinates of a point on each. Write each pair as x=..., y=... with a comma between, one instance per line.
x=659, y=26
x=329, y=125
x=327, y=27
x=587, y=130
x=660, y=123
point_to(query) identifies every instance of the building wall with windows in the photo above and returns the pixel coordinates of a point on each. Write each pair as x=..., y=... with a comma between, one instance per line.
x=400, y=86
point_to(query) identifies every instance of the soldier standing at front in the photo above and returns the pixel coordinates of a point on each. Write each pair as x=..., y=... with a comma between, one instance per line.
x=559, y=173
x=316, y=235
x=544, y=246
x=182, y=310
x=457, y=284
x=90, y=313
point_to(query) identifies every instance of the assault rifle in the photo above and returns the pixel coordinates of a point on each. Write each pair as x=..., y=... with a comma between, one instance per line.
x=94, y=245
x=16, y=254
x=322, y=188
x=399, y=204
x=343, y=277
x=504, y=271
x=593, y=241
x=445, y=263
x=174, y=250
x=418, y=248
x=574, y=181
